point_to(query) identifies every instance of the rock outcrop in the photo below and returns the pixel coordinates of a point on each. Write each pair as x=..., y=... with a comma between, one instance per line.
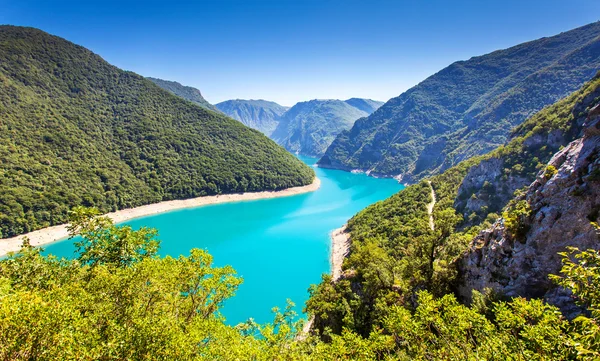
x=565, y=206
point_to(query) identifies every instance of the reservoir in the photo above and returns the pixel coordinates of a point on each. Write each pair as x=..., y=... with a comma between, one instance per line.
x=279, y=246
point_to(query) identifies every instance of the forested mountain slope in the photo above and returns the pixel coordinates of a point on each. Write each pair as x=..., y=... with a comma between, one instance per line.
x=75, y=130
x=395, y=299
x=468, y=108
x=310, y=127
x=186, y=92
x=261, y=115
x=395, y=254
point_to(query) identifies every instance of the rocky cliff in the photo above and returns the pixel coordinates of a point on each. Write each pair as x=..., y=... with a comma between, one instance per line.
x=559, y=209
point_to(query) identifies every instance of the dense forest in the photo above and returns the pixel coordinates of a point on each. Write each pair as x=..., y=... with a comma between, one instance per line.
x=395, y=300
x=468, y=108
x=75, y=130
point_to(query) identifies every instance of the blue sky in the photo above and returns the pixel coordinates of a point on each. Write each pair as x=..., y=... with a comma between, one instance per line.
x=289, y=51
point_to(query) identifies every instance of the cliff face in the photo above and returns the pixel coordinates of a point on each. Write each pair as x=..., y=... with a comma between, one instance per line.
x=564, y=205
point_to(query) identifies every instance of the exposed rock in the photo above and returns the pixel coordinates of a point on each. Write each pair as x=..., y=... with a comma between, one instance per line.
x=562, y=209
x=483, y=190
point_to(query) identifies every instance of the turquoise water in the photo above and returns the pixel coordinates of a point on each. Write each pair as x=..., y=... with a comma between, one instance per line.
x=279, y=246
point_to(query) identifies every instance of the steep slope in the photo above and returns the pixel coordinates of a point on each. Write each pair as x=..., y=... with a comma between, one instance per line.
x=559, y=209
x=467, y=108
x=186, y=92
x=310, y=127
x=76, y=130
x=261, y=115
x=395, y=253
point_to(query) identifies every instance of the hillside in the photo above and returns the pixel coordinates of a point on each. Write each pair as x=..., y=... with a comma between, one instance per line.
x=186, y=92
x=395, y=298
x=261, y=115
x=484, y=238
x=310, y=127
x=76, y=131
x=468, y=108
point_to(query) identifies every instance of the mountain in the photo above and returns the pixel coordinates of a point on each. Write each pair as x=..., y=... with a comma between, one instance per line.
x=468, y=108
x=490, y=228
x=76, y=130
x=366, y=105
x=186, y=92
x=310, y=127
x=261, y=115
x=394, y=301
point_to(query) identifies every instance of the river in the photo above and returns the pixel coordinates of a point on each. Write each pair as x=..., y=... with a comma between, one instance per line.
x=279, y=246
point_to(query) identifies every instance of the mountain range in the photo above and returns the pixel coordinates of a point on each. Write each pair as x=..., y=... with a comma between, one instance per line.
x=466, y=109
x=310, y=127
x=261, y=115
x=306, y=128
x=491, y=230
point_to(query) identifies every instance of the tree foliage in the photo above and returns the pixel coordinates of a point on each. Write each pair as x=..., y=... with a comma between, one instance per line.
x=77, y=131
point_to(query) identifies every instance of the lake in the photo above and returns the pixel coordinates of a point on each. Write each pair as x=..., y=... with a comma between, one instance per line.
x=280, y=246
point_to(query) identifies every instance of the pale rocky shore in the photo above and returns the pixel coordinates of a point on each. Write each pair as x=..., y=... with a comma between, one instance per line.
x=340, y=247
x=56, y=233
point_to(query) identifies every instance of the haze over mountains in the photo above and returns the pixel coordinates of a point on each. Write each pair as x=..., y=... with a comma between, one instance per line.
x=310, y=127
x=467, y=108
x=306, y=128
x=261, y=115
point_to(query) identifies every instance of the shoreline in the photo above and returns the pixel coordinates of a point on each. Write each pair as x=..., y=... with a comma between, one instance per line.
x=57, y=233
x=340, y=247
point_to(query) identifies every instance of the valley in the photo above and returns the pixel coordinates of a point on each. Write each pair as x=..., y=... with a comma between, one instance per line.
x=142, y=218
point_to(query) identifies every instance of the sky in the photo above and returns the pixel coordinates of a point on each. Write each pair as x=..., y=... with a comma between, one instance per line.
x=295, y=50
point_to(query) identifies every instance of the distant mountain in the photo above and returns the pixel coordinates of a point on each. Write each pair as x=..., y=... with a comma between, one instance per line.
x=261, y=115
x=186, y=92
x=310, y=127
x=76, y=130
x=467, y=108
x=366, y=105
